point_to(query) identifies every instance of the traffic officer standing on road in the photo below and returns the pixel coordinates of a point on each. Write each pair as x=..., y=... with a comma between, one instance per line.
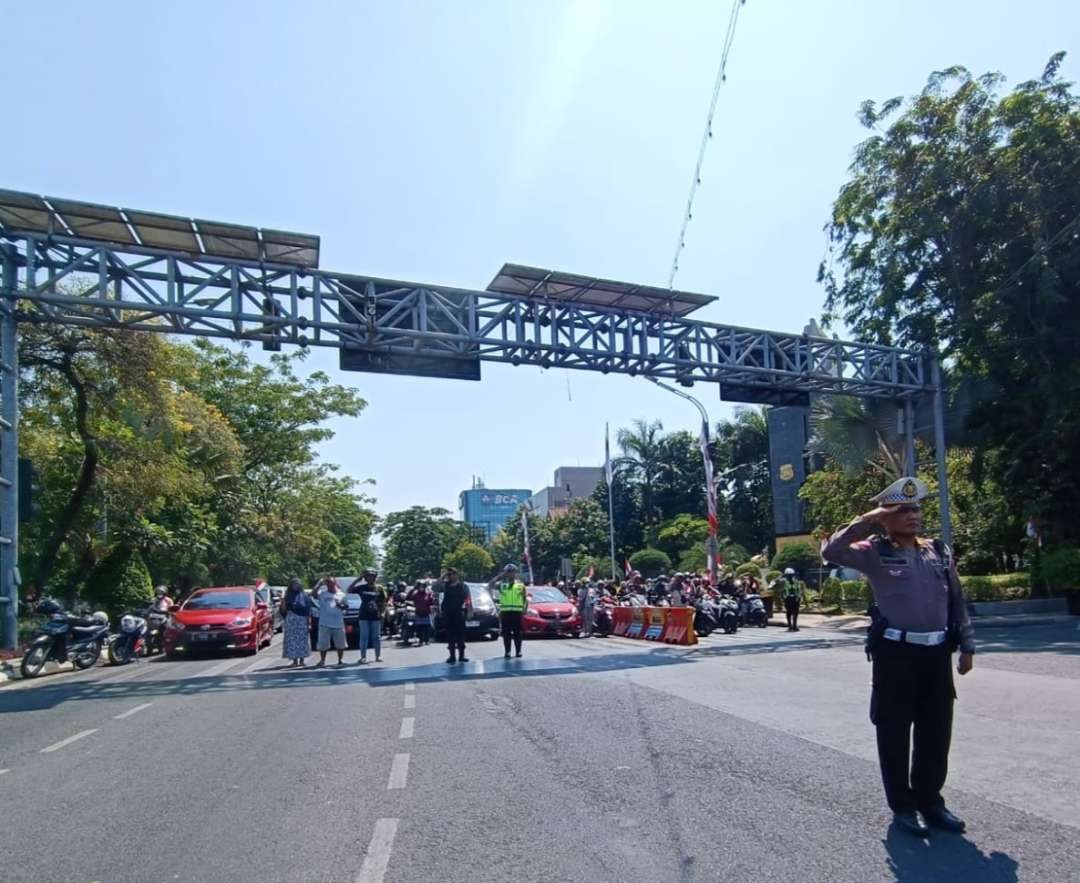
x=920, y=617
x=512, y=600
x=791, y=590
x=455, y=598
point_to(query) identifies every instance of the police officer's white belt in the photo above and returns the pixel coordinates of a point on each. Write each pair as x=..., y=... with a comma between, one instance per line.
x=929, y=639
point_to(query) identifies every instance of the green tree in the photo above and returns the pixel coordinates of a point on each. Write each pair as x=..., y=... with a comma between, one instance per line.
x=742, y=452
x=800, y=557
x=119, y=582
x=418, y=539
x=651, y=562
x=681, y=533
x=957, y=231
x=642, y=461
x=472, y=561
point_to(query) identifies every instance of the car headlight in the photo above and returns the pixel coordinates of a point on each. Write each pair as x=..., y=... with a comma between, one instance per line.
x=175, y=625
x=532, y=611
x=241, y=621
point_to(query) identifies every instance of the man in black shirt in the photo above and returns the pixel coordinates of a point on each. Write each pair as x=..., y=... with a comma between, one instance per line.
x=455, y=595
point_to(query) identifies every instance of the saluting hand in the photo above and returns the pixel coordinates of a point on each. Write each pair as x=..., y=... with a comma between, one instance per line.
x=875, y=515
x=965, y=663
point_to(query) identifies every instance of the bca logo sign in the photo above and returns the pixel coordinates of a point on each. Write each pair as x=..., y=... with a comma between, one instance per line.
x=506, y=500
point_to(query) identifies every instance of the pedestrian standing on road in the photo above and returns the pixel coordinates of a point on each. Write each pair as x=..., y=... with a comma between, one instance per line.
x=455, y=600
x=331, y=602
x=587, y=605
x=423, y=602
x=790, y=589
x=296, y=608
x=918, y=618
x=372, y=605
x=512, y=600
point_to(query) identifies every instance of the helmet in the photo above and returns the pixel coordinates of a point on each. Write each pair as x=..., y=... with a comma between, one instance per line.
x=510, y=568
x=100, y=617
x=161, y=591
x=47, y=607
x=789, y=571
x=370, y=571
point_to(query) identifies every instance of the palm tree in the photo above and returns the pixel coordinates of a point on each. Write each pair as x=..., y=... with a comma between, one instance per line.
x=642, y=460
x=856, y=433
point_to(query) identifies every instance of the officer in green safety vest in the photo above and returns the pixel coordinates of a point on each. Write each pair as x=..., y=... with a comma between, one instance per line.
x=512, y=603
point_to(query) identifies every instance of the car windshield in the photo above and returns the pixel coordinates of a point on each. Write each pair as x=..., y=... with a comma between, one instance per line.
x=481, y=597
x=218, y=601
x=547, y=596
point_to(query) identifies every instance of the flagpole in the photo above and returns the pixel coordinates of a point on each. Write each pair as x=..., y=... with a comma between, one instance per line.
x=610, y=497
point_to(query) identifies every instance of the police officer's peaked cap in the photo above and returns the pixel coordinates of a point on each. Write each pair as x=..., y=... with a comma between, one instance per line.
x=903, y=490
x=510, y=567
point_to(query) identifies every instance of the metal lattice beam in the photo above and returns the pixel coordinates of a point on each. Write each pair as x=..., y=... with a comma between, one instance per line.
x=83, y=282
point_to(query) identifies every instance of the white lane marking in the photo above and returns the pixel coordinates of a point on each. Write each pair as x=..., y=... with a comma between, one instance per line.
x=409, y=687
x=410, y=701
x=4, y=771
x=132, y=711
x=407, y=726
x=218, y=669
x=261, y=662
x=399, y=772
x=377, y=856
x=58, y=745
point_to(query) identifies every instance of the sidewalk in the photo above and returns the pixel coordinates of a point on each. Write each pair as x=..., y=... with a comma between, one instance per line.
x=848, y=622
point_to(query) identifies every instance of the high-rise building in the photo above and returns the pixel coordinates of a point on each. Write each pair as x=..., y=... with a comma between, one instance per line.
x=489, y=508
x=571, y=483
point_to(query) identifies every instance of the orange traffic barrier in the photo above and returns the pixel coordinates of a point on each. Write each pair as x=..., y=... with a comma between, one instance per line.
x=679, y=626
x=671, y=625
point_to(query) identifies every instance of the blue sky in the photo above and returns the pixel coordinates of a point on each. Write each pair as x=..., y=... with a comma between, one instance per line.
x=434, y=141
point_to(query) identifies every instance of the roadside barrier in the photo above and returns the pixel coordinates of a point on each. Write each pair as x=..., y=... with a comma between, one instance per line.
x=669, y=625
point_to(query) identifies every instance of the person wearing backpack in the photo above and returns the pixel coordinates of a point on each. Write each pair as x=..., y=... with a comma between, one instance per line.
x=372, y=602
x=296, y=608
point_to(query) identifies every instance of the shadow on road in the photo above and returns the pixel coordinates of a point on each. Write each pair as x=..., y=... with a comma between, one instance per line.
x=1062, y=638
x=283, y=677
x=946, y=858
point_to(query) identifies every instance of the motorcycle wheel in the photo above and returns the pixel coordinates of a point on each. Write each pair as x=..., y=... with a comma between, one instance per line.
x=34, y=660
x=119, y=653
x=88, y=658
x=704, y=631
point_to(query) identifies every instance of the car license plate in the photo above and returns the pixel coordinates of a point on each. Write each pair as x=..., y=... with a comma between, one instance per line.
x=472, y=625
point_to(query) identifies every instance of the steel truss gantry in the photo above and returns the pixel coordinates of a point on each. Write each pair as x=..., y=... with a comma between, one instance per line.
x=72, y=281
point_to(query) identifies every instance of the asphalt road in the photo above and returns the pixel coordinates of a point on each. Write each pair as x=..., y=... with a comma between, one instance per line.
x=747, y=758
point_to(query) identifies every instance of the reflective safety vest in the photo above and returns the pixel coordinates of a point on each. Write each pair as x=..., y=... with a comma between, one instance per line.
x=512, y=598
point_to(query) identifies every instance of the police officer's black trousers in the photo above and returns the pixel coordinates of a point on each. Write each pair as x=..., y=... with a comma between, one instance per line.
x=791, y=610
x=912, y=692
x=510, y=621
x=455, y=634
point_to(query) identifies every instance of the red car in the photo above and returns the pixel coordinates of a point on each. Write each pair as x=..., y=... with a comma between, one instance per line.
x=230, y=618
x=549, y=612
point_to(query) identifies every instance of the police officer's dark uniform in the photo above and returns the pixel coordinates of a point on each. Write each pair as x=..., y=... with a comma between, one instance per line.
x=920, y=618
x=455, y=595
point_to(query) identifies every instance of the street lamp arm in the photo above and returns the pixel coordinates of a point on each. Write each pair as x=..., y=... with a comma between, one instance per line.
x=683, y=395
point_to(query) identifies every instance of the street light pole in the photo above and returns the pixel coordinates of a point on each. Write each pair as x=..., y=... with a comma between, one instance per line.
x=710, y=485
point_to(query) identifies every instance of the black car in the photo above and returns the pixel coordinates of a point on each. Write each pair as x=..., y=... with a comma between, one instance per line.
x=482, y=619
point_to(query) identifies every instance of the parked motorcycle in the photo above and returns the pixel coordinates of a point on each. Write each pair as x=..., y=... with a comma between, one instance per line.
x=405, y=621
x=728, y=611
x=706, y=617
x=603, y=619
x=127, y=643
x=65, y=637
x=155, y=631
x=752, y=611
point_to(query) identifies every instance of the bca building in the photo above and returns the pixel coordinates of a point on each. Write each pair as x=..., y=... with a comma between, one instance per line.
x=489, y=508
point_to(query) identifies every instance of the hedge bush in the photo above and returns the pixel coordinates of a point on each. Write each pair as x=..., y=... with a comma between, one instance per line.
x=800, y=557
x=1061, y=568
x=651, y=562
x=748, y=568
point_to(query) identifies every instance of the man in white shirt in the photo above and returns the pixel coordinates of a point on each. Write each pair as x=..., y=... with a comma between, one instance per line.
x=331, y=621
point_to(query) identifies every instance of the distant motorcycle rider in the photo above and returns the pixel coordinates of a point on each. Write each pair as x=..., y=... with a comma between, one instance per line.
x=162, y=603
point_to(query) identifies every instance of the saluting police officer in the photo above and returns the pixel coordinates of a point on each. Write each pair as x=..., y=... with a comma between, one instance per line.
x=921, y=616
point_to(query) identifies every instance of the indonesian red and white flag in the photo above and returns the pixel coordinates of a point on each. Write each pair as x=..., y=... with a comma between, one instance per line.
x=525, y=532
x=626, y=566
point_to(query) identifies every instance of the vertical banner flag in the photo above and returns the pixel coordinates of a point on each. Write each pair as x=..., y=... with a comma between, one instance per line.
x=710, y=498
x=626, y=566
x=610, y=497
x=525, y=531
